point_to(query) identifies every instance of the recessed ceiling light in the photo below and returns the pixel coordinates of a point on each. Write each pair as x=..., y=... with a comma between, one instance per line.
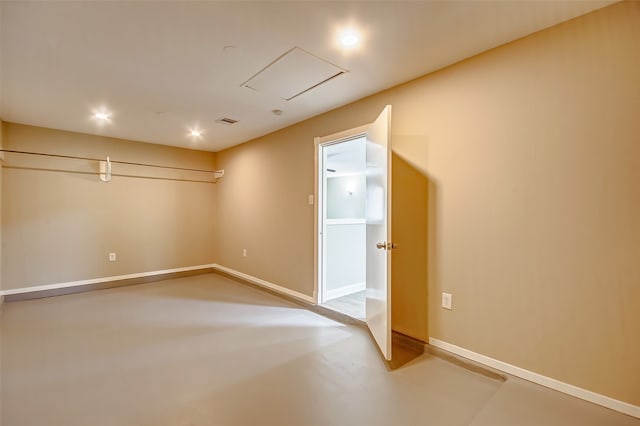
x=102, y=116
x=195, y=133
x=349, y=38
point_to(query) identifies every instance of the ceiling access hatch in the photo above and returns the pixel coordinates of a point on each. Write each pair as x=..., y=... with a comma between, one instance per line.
x=292, y=74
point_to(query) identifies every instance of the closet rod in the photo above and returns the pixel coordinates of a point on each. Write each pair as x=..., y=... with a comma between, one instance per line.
x=113, y=161
x=79, y=172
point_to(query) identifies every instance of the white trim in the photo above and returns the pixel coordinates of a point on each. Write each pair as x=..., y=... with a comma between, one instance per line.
x=263, y=283
x=341, y=136
x=346, y=221
x=100, y=280
x=587, y=395
x=343, y=291
x=317, y=223
x=346, y=174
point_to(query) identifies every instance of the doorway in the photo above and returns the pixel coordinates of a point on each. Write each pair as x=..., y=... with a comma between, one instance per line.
x=342, y=213
x=354, y=168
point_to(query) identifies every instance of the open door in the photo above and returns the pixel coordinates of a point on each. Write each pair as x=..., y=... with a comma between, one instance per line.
x=378, y=219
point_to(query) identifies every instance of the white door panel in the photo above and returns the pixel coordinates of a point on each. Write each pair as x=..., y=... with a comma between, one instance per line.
x=378, y=213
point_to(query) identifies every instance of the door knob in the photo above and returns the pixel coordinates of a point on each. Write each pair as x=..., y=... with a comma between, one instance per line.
x=386, y=246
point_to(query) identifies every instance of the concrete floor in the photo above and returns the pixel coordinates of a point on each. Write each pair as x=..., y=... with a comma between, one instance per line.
x=207, y=350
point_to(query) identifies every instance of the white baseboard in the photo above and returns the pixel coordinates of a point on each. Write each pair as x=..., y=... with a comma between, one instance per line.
x=343, y=291
x=266, y=284
x=605, y=401
x=100, y=280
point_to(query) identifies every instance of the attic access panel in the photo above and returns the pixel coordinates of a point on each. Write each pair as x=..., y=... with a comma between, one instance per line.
x=292, y=74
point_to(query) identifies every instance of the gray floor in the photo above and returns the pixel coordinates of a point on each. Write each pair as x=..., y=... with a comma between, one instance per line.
x=351, y=304
x=207, y=350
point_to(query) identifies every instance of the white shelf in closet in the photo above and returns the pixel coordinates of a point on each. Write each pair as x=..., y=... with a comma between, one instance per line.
x=346, y=221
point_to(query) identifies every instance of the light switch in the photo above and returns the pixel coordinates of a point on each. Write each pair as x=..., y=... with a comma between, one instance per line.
x=447, y=300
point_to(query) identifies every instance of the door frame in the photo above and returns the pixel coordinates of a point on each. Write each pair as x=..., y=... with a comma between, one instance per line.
x=318, y=196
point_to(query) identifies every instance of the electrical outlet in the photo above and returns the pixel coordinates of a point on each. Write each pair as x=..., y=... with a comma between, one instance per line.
x=310, y=200
x=447, y=300
x=244, y=252
x=112, y=257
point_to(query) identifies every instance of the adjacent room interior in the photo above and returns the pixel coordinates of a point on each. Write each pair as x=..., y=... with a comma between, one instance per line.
x=342, y=205
x=186, y=200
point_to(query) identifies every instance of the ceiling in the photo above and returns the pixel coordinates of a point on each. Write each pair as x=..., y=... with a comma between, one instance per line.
x=163, y=68
x=346, y=157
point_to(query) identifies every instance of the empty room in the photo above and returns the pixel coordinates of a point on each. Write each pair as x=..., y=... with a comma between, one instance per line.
x=320, y=213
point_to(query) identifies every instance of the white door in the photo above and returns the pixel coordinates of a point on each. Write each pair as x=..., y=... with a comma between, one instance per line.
x=379, y=245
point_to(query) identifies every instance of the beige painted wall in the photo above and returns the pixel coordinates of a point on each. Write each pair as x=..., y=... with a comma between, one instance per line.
x=530, y=160
x=409, y=272
x=1, y=297
x=262, y=206
x=60, y=227
x=1, y=162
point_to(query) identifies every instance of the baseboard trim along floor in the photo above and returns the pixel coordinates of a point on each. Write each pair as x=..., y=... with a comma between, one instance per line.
x=59, y=289
x=587, y=395
x=344, y=291
x=301, y=299
x=262, y=283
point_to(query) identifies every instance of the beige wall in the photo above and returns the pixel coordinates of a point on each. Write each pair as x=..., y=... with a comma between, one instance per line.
x=60, y=227
x=1, y=297
x=529, y=158
x=1, y=162
x=262, y=206
x=409, y=272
